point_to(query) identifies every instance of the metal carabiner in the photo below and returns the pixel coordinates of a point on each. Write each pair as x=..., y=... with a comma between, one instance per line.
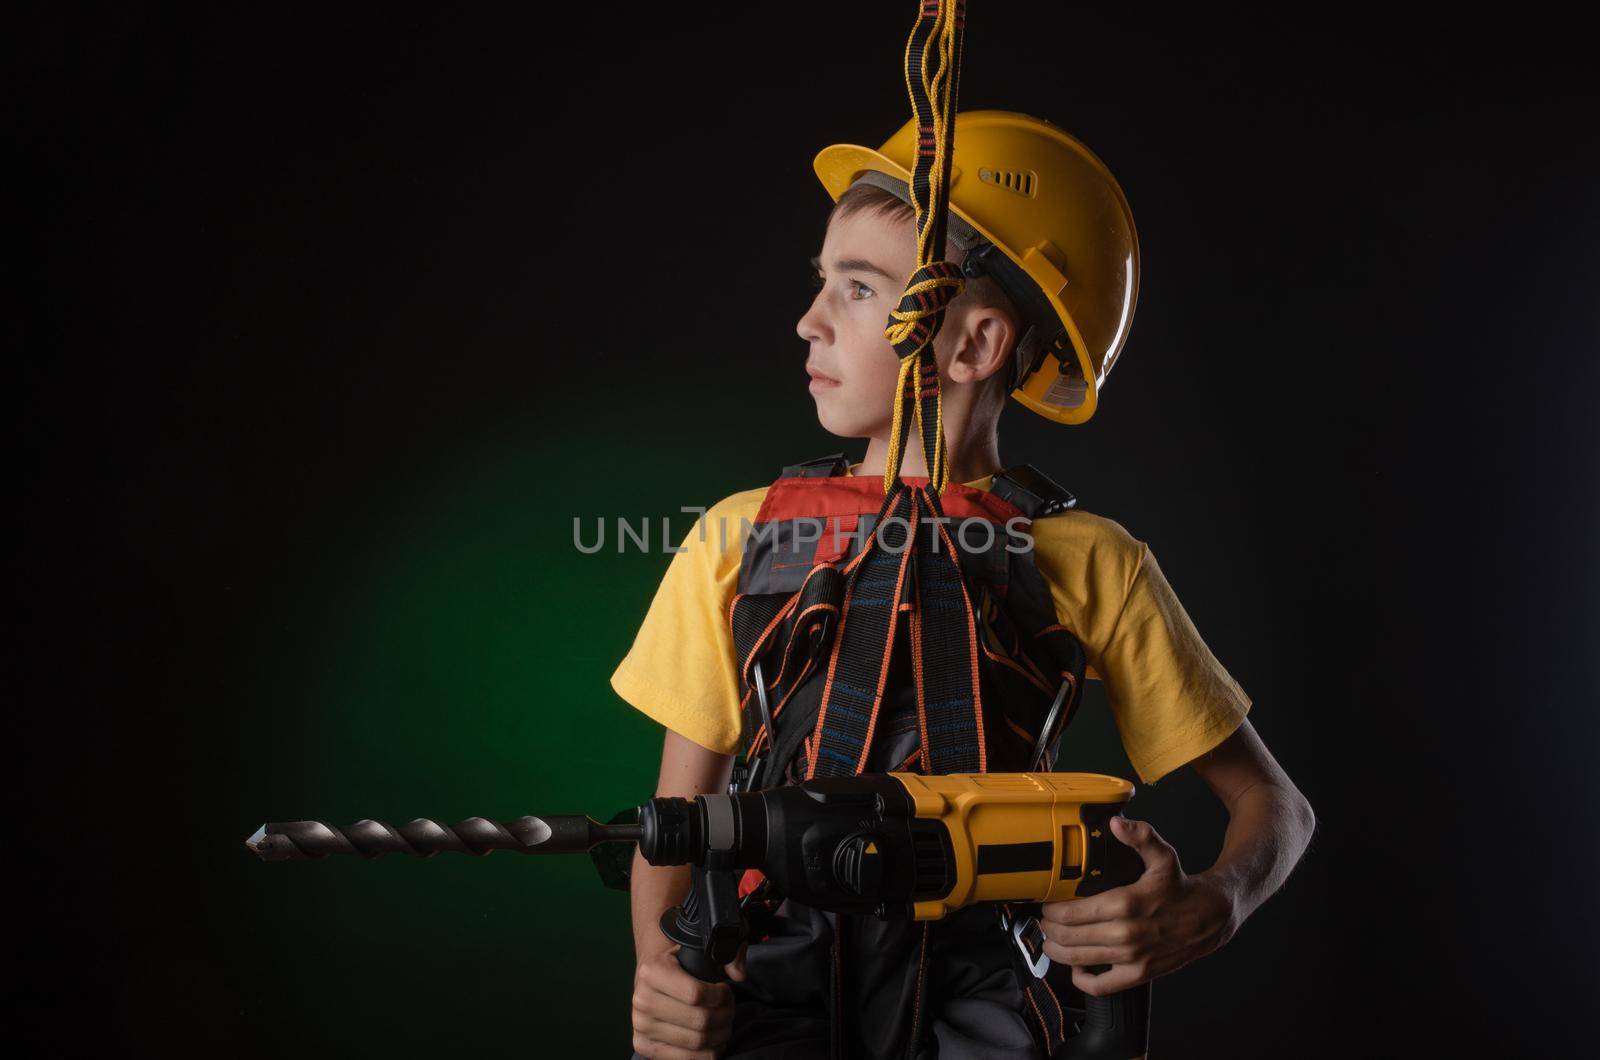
x=748, y=776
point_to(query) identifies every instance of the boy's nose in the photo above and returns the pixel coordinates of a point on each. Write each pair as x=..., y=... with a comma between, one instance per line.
x=810, y=326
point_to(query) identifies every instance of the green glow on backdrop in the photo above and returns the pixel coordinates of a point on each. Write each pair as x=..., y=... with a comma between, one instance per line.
x=457, y=664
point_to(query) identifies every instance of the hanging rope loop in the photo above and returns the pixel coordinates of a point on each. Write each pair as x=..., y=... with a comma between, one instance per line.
x=933, y=73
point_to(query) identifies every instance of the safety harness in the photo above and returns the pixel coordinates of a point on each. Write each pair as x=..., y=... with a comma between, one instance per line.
x=833, y=580
x=872, y=638
x=902, y=624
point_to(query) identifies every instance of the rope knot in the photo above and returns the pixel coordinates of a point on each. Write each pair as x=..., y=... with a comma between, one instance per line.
x=919, y=315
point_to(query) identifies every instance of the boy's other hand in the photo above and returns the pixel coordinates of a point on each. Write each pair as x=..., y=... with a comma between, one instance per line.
x=1153, y=926
x=675, y=1015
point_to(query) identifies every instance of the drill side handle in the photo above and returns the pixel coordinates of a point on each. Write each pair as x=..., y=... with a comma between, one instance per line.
x=708, y=927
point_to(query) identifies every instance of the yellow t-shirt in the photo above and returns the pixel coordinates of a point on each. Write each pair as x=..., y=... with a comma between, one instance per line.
x=1172, y=700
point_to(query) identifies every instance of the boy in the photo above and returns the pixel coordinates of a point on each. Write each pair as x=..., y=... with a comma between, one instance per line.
x=1174, y=703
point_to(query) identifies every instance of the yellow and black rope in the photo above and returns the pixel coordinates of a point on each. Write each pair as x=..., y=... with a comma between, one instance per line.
x=932, y=69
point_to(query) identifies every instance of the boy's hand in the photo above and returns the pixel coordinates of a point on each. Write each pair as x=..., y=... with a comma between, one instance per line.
x=675, y=1015
x=1153, y=926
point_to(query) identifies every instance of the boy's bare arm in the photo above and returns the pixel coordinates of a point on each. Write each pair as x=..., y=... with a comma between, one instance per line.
x=1168, y=917
x=1269, y=821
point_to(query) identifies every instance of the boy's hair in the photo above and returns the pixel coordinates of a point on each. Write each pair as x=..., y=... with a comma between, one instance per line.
x=982, y=291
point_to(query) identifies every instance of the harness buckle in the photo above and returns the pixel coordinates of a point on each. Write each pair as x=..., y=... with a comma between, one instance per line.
x=1028, y=936
x=747, y=775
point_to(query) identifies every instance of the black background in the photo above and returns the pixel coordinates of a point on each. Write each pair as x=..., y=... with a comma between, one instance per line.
x=287, y=260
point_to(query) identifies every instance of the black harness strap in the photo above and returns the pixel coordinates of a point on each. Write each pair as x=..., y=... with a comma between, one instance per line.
x=821, y=467
x=858, y=668
x=944, y=649
x=1055, y=1020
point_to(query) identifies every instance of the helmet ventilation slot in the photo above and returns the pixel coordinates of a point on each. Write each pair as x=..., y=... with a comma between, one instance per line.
x=1021, y=181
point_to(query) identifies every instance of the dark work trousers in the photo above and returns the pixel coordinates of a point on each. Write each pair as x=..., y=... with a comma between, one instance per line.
x=971, y=1007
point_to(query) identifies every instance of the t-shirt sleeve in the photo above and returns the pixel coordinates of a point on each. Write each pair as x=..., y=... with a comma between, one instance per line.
x=681, y=669
x=1171, y=699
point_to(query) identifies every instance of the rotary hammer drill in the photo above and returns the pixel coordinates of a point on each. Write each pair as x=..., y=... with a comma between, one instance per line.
x=892, y=845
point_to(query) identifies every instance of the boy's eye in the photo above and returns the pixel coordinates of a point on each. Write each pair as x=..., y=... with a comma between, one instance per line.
x=858, y=290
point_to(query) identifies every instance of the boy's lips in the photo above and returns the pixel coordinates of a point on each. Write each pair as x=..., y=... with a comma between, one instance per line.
x=820, y=381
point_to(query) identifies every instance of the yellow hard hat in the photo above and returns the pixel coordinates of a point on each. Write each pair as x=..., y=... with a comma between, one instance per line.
x=1036, y=210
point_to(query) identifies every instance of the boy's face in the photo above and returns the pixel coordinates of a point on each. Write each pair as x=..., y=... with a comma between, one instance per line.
x=865, y=260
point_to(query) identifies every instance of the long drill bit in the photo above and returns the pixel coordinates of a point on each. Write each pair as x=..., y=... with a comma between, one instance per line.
x=307, y=840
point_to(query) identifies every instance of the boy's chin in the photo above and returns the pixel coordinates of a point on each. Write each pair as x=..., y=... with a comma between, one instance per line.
x=849, y=423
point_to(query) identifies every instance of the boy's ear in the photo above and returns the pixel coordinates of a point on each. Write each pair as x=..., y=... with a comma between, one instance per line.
x=985, y=341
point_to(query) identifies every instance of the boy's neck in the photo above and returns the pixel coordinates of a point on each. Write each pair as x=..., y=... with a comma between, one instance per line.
x=971, y=460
